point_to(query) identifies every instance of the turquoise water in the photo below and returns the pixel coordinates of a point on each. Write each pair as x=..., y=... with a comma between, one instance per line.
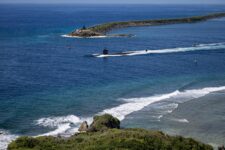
x=48, y=85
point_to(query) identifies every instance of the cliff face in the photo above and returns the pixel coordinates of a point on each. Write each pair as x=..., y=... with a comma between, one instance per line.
x=107, y=136
x=102, y=29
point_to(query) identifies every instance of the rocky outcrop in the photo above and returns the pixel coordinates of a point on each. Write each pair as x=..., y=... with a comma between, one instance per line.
x=83, y=127
x=221, y=148
x=100, y=123
x=130, y=139
x=104, y=122
x=85, y=33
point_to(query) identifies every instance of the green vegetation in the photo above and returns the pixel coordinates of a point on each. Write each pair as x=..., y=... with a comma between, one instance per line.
x=102, y=29
x=104, y=122
x=133, y=139
x=110, y=138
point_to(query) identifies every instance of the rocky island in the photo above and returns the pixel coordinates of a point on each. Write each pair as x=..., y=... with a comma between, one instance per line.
x=105, y=133
x=102, y=29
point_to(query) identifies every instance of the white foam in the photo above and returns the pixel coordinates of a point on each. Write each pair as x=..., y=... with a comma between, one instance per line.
x=68, y=125
x=200, y=47
x=136, y=104
x=5, y=139
x=196, y=93
x=61, y=128
x=169, y=108
x=181, y=120
x=69, y=36
x=158, y=117
x=55, y=121
x=64, y=125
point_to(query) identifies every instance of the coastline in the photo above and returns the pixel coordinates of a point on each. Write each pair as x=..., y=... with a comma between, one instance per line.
x=63, y=124
x=104, y=133
x=57, y=67
x=102, y=29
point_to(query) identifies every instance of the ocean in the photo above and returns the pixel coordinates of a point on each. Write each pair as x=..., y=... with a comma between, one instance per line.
x=49, y=85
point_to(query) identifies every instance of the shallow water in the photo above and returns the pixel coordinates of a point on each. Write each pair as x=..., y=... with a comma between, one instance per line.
x=48, y=85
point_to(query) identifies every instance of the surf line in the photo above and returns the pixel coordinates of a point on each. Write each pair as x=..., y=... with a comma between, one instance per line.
x=68, y=125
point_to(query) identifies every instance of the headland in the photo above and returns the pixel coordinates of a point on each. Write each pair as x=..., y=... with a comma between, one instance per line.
x=103, y=29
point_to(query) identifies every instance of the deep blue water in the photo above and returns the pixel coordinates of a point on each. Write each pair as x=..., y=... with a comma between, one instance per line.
x=43, y=74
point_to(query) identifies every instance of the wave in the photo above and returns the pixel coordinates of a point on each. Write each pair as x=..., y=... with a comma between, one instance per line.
x=167, y=108
x=69, y=36
x=100, y=36
x=54, y=121
x=158, y=117
x=199, y=47
x=65, y=125
x=68, y=125
x=5, y=139
x=181, y=120
x=136, y=104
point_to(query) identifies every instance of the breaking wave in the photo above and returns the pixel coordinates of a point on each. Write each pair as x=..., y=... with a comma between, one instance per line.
x=136, y=104
x=199, y=47
x=69, y=36
x=68, y=125
x=65, y=125
x=5, y=139
x=181, y=120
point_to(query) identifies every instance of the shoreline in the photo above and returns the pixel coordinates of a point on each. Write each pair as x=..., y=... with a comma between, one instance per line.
x=105, y=132
x=103, y=29
x=63, y=123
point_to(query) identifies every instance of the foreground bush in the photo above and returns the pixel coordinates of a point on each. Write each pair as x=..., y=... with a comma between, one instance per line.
x=133, y=139
x=104, y=134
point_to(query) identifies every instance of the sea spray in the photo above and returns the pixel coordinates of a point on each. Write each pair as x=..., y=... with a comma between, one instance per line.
x=136, y=104
x=5, y=139
x=68, y=125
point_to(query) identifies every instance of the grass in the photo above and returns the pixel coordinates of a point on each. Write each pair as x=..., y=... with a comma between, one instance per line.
x=106, y=27
x=120, y=139
x=104, y=134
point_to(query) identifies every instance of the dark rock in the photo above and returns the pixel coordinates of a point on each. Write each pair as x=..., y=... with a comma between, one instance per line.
x=104, y=122
x=85, y=33
x=221, y=148
x=83, y=127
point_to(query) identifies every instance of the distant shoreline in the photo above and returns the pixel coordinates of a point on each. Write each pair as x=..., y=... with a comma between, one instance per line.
x=102, y=29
